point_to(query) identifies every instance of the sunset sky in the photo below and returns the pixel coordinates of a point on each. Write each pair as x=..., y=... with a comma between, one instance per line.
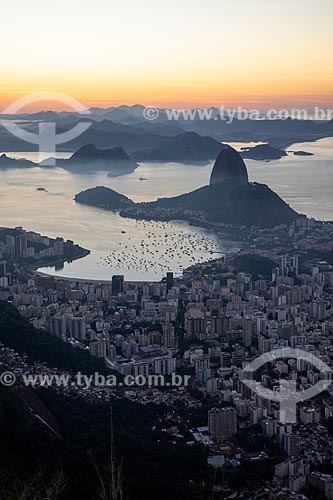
x=253, y=53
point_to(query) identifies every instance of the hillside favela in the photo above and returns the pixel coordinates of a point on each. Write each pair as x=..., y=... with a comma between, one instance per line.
x=166, y=250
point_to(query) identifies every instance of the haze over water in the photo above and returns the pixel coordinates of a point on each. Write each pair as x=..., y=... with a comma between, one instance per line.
x=306, y=183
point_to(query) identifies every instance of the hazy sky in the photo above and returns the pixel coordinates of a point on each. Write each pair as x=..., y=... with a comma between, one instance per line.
x=255, y=53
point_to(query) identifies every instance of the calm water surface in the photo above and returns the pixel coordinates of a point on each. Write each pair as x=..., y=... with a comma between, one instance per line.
x=143, y=250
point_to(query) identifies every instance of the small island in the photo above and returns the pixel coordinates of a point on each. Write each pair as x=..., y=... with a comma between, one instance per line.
x=114, y=160
x=86, y=159
x=263, y=152
x=103, y=197
x=302, y=153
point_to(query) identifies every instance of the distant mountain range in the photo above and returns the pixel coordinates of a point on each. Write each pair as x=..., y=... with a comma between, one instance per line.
x=165, y=139
x=228, y=199
x=192, y=120
x=143, y=146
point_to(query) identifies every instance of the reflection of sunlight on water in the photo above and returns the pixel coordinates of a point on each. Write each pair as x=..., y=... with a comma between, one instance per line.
x=34, y=156
x=304, y=182
x=146, y=250
x=240, y=145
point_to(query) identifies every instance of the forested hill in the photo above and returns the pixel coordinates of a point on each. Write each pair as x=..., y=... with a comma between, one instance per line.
x=37, y=463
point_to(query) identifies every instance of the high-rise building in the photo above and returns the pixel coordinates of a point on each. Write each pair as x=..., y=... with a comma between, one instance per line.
x=169, y=280
x=196, y=327
x=237, y=358
x=98, y=349
x=247, y=332
x=76, y=327
x=10, y=246
x=222, y=422
x=217, y=326
x=168, y=335
x=225, y=359
x=288, y=265
x=117, y=284
x=202, y=369
x=164, y=365
x=3, y=268
x=309, y=415
x=58, y=326
x=318, y=310
x=21, y=245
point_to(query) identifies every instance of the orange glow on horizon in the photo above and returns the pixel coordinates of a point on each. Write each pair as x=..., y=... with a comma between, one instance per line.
x=249, y=93
x=258, y=54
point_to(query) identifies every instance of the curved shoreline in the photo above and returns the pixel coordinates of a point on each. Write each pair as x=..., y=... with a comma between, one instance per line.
x=34, y=269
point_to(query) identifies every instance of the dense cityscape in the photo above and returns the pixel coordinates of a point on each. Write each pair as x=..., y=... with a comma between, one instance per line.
x=207, y=324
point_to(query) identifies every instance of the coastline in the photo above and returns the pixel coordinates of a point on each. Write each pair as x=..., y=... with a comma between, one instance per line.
x=88, y=280
x=231, y=234
x=236, y=245
x=50, y=262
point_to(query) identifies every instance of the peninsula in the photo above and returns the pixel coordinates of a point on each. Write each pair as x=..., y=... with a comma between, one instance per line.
x=228, y=199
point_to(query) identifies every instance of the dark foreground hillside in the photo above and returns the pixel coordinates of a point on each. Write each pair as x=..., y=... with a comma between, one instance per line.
x=65, y=463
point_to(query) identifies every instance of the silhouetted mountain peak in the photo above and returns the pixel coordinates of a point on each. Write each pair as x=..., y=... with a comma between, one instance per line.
x=229, y=166
x=229, y=199
x=88, y=151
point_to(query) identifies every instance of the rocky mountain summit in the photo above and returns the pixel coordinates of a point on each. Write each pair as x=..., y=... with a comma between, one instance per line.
x=229, y=166
x=229, y=198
